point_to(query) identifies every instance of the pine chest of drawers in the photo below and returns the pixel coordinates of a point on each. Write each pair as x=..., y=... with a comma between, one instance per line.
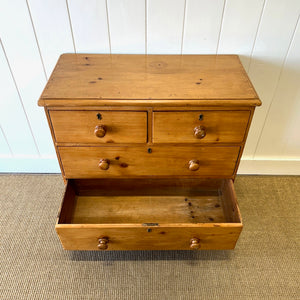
x=149, y=147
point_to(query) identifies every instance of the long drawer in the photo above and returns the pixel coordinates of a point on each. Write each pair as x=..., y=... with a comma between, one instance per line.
x=101, y=162
x=149, y=215
x=99, y=127
x=219, y=126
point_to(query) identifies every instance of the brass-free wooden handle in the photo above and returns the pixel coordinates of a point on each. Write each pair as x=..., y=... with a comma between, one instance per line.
x=199, y=132
x=195, y=243
x=104, y=164
x=103, y=243
x=194, y=165
x=100, y=131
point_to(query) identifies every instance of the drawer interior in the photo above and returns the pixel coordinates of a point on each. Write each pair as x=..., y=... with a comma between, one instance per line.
x=149, y=202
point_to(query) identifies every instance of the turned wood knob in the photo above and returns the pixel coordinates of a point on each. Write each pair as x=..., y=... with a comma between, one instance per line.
x=199, y=132
x=194, y=165
x=195, y=244
x=104, y=164
x=100, y=131
x=103, y=243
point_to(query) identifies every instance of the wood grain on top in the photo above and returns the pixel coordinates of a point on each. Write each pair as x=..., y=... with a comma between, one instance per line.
x=148, y=77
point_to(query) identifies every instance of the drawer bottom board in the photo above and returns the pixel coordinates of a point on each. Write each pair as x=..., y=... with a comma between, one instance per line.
x=148, y=209
x=149, y=219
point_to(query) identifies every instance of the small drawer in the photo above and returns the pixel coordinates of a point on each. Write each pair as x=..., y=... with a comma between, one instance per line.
x=124, y=161
x=181, y=214
x=200, y=126
x=99, y=127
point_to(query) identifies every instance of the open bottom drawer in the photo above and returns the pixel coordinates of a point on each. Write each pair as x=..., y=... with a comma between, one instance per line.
x=149, y=214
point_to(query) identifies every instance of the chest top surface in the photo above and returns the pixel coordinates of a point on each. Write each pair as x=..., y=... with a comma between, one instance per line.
x=107, y=79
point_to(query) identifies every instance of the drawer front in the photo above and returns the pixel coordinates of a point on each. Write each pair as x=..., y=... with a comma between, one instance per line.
x=200, y=126
x=86, y=237
x=97, y=162
x=99, y=127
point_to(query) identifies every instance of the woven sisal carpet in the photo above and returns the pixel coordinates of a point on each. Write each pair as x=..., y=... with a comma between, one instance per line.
x=264, y=265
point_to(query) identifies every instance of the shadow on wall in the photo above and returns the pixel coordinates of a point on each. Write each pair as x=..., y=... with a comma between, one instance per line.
x=277, y=120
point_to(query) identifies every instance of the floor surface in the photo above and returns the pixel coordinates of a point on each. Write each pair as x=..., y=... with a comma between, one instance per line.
x=264, y=265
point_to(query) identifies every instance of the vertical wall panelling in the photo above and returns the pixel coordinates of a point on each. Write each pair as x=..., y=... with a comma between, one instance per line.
x=292, y=143
x=265, y=33
x=89, y=26
x=22, y=52
x=4, y=146
x=165, y=25
x=271, y=46
x=202, y=26
x=283, y=119
x=12, y=117
x=240, y=23
x=127, y=26
x=52, y=27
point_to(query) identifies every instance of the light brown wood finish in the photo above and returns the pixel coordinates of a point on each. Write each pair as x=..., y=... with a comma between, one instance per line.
x=243, y=144
x=104, y=164
x=195, y=244
x=79, y=126
x=53, y=139
x=83, y=162
x=194, y=165
x=60, y=103
x=85, y=237
x=199, y=132
x=154, y=136
x=159, y=223
x=103, y=243
x=219, y=126
x=231, y=208
x=200, y=208
x=142, y=187
x=148, y=77
x=100, y=131
x=67, y=205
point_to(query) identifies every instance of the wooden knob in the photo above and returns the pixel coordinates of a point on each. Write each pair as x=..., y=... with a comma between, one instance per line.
x=199, y=132
x=104, y=164
x=194, y=165
x=195, y=243
x=100, y=131
x=103, y=243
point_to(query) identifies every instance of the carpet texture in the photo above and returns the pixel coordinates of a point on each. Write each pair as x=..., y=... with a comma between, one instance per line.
x=264, y=265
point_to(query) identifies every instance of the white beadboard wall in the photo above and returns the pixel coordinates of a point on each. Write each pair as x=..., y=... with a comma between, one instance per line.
x=265, y=33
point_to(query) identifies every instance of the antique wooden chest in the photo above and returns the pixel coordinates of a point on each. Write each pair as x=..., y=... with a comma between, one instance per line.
x=149, y=146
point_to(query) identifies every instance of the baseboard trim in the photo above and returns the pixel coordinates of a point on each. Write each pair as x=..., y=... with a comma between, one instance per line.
x=29, y=165
x=269, y=167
